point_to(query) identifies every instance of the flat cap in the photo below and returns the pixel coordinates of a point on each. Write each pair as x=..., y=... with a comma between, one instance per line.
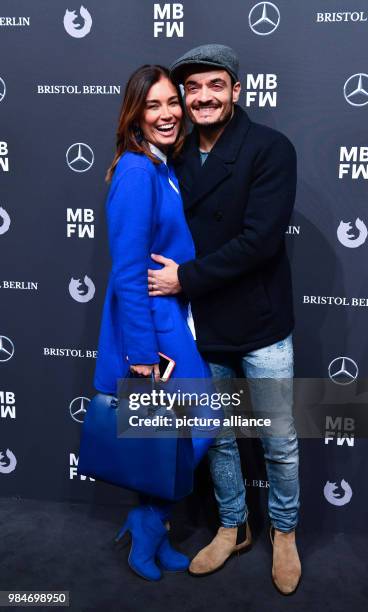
x=213, y=55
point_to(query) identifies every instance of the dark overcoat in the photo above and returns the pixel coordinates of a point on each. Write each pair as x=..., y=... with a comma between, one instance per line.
x=238, y=207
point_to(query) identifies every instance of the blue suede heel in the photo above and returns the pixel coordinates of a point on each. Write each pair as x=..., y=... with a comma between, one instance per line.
x=170, y=559
x=147, y=531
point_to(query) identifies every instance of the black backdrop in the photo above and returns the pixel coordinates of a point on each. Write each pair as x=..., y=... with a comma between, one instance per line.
x=302, y=72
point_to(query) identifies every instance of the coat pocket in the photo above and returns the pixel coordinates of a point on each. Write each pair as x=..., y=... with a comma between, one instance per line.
x=263, y=299
x=161, y=308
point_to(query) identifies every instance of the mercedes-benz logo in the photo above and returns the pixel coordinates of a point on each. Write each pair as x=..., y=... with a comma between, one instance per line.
x=356, y=89
x=6, y=348
x=2, y=89
x=343, y=371
x=78, y=409
x=79, y=157
x=264, y=18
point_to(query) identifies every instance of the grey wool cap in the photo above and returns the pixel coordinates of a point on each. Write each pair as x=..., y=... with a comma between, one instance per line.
x=213, y=56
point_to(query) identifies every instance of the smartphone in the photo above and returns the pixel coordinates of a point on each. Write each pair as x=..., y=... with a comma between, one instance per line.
x=166, y=366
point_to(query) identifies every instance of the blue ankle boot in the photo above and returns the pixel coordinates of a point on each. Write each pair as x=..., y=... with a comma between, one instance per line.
x=170, y=559
x=147, y=531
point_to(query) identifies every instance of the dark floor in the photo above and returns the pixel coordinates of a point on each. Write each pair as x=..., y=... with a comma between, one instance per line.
x=69, y=546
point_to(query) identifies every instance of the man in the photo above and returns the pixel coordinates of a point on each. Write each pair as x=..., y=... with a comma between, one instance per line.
x=238, y=181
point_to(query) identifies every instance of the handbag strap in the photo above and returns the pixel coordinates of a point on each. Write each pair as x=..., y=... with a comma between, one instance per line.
x=130, y=374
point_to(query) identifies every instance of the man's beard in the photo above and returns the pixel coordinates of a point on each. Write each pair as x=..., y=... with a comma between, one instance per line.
x=209, y=128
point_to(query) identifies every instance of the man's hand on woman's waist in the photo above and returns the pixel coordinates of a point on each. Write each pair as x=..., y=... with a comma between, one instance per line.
x=164, y=281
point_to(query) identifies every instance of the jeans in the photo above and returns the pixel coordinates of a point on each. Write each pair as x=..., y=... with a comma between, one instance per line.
x=280, y=453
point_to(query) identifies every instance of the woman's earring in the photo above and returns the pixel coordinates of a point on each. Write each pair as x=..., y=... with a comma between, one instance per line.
x=138, y=134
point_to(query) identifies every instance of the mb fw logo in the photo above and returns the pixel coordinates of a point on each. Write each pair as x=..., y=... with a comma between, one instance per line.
x=168, y=20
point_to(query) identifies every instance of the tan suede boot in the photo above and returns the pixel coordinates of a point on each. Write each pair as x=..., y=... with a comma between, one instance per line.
x=286, y=567
x=228, y=540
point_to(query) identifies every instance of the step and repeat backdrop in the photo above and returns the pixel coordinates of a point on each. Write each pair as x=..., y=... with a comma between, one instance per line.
x=63, y=69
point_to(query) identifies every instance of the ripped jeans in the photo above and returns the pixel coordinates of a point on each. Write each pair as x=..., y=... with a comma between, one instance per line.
x=281, y=453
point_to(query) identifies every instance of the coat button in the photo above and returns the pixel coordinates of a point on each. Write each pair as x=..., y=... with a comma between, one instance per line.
x=218, y=215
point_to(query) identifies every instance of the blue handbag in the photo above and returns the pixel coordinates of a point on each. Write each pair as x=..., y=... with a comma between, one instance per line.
x=158, y=466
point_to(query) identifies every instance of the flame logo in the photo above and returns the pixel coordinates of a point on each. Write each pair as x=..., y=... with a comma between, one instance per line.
x=82, y=291
x=4, y=226
x=334, y=497
x=347, y=239
x=74, y=29
x=7, y=462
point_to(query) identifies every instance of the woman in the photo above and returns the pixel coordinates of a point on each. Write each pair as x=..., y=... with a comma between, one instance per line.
x=145, y=215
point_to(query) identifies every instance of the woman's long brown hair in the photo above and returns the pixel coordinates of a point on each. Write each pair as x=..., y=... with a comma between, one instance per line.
x=127, y=136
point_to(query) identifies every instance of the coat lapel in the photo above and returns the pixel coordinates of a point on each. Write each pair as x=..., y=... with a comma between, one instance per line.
x=197, y=181
x=188, y=166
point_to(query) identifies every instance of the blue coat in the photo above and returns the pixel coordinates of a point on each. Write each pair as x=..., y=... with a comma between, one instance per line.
x=144, y=215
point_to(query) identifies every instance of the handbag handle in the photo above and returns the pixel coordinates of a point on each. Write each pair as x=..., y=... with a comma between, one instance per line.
x=114, y=400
